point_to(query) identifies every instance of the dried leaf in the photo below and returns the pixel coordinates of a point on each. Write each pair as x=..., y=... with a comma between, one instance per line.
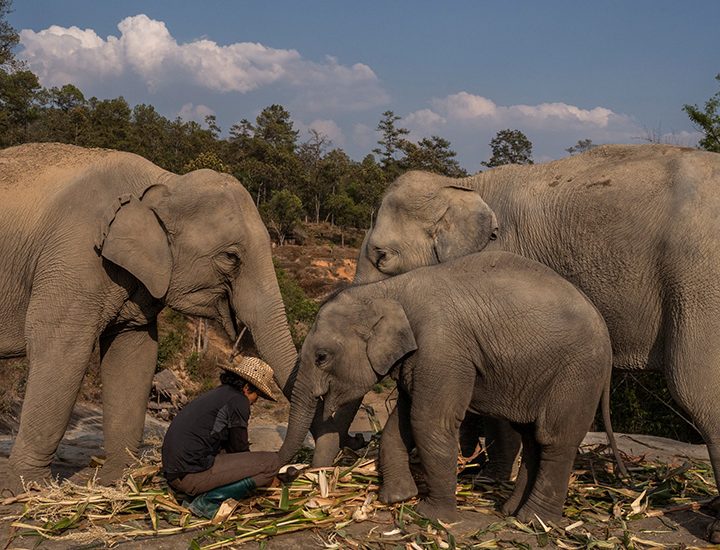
x=225, y=511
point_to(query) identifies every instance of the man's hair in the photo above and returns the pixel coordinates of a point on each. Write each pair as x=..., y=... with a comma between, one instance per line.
x=236, y=381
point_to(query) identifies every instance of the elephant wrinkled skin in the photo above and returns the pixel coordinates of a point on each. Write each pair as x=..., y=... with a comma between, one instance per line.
x=634, y=227
x=94, y=244
x=494, y=332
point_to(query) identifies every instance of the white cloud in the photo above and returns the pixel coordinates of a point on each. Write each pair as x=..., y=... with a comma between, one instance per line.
x=470, y=121
x=463, y=105
x=424, y=121
x=329, y=129
x=363, y=137
x=146, y=50
x=195, y=112
x=471, y=108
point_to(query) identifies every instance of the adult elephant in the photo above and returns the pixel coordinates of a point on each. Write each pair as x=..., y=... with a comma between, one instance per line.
x=94, y=244
x=635, y=227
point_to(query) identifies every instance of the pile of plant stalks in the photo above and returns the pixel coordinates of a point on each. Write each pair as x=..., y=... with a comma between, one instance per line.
x=600, y=509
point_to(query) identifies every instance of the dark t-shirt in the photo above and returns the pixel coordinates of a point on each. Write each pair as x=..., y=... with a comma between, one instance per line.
x=216, y=420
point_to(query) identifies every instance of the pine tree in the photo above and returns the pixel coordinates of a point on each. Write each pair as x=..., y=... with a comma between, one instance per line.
x=707, y=120
x=509, y=147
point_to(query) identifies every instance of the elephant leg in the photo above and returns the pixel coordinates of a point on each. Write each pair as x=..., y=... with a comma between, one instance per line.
x=58, y=354
x=547, y=494
x=395, y=446
x=438, y=407
x=332, y=435
x=693, y=378
x=127, y=368
x=503, y=445
x=470, y=429
x=527, y=473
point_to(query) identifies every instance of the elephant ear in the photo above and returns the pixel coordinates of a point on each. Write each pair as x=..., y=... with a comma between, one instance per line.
x=391, y=337
x=466, y=225
x=133, y=237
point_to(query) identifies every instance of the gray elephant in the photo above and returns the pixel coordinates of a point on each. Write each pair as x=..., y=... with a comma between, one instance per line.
x=94, y=244
x=494, y=332
x=634, y=227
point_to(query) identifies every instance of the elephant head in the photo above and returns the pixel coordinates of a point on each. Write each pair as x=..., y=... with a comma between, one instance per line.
x=352, y=344
x=198, y=244
x=424, y=219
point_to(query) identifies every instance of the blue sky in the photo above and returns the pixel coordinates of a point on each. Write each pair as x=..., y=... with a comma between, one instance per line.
x=560, y=71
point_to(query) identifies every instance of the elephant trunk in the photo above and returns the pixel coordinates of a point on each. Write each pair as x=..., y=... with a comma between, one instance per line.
x=258, y=305
x=303, y=408
x=366, y=272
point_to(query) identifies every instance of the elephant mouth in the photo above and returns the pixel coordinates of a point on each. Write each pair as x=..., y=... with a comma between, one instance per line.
x=328, y=410
x=228, y=319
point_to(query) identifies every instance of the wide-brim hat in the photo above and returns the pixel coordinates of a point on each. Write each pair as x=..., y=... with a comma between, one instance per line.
x=255, y=371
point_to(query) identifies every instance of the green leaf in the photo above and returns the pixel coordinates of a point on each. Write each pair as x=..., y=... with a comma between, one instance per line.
x=285, y=497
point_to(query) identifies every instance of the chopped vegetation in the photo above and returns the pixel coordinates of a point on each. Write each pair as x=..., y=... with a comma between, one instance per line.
x=600, y=510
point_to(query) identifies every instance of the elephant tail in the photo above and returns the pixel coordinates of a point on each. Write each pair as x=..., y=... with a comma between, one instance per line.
x=605, y=408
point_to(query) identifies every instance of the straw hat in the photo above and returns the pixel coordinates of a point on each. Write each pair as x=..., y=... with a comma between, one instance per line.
x=255, y=371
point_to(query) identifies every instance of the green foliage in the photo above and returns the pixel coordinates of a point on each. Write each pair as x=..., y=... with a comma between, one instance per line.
x=641, y=403
x=390, y=143
x=18, y=105
x=8, y=36
x=192, y=364
x=282, y=213
x=581, y=146
x=172, y=331
x=300, y=309
x=509, y=147
x=433, y=154
x=707, y=120
x=207, y=159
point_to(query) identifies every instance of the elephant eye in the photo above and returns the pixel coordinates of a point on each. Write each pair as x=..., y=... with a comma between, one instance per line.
x=321, y=358
x=228, y=261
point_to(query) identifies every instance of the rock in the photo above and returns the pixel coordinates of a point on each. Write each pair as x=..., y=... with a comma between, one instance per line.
x=166, y=382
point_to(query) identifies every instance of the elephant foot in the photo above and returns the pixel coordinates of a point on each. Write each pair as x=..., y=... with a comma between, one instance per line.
x=20, y=479
x=497, y=472
x=395, y=490
x=438, y=510
x=509, y=507
x=354, y=442
x=713, y=532
x=530, y=511
x=110, y=473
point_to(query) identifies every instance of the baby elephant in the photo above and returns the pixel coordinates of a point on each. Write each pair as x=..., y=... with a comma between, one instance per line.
x=492, y=332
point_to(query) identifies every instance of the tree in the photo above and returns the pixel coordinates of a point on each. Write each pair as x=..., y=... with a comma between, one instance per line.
x=433, y=154
x=208, y=159
x=343, y=209
x=707, y=121
x=311, y=155
x=581, y=146
x=282, y=212
x=8, y=37
x=18, y=105
x=109, y=123
x=390, y=143
x=63, y=117
x=150, y=135
x=274, y=127
x=509, y=147
x=263, y=155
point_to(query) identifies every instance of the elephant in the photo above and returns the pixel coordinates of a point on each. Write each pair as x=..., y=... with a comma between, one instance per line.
x=94, y=244
x=492, y=332
x=635, y=227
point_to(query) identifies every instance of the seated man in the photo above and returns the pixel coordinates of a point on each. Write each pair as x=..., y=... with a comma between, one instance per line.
x=206, y=448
